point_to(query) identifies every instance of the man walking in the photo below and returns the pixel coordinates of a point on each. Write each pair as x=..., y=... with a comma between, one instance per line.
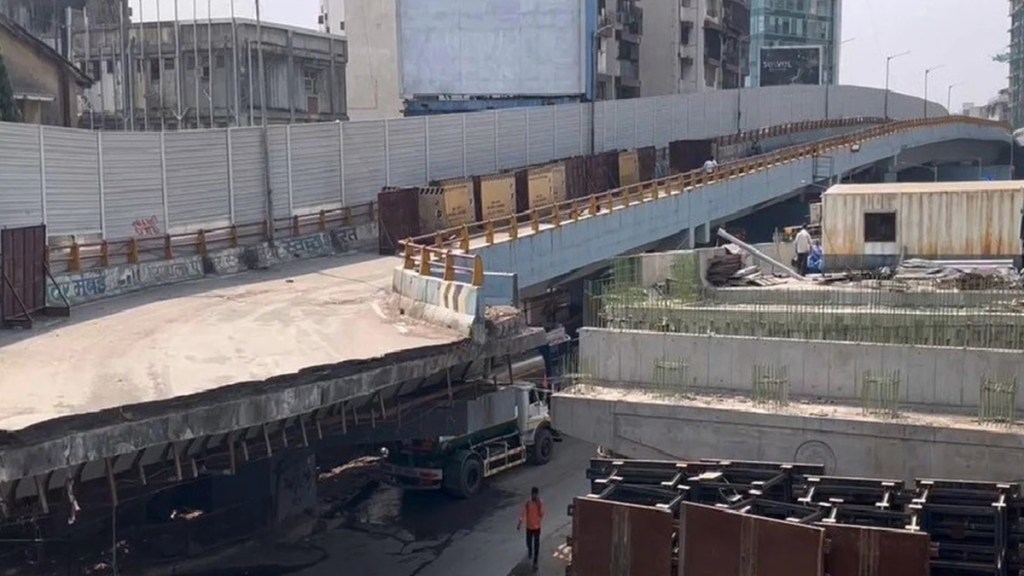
x=532, y=515
x=803, y=250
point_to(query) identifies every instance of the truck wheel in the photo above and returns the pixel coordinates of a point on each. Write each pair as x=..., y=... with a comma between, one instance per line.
x=543, y=447
x=466, y=477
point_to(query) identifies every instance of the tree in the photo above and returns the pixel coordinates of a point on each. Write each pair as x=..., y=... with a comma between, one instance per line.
x=8, y=110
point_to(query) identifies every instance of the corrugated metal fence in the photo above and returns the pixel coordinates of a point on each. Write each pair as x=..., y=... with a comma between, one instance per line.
x=122, y=185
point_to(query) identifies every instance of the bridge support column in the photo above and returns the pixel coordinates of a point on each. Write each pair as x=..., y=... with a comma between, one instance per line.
x=691, y=238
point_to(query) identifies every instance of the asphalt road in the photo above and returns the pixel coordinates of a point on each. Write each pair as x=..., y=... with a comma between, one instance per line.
x=429, y=534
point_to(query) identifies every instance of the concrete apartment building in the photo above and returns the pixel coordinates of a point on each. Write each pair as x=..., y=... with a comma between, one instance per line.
x=693, y=45
x=796, y=23
x=332, y=16
x=998, y=108
x=46, y=86
x=617, y=44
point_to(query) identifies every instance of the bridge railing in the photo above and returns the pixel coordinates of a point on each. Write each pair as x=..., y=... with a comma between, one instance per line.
x=79, y=256
x=459, y=240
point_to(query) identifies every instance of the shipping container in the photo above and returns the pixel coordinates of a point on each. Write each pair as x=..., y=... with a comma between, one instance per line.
x=398, y=218
x=873, y=225
x=629, y=169
x=495, y=196
x=647, y=160
x=687, y=155
x=446, y=205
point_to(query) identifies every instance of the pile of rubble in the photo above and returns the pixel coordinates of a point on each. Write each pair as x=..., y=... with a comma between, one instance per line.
x=962, y=275
x=729, y=270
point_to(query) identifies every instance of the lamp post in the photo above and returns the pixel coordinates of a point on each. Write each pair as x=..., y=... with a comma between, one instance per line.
x=593, y=97
x=888, y=61
x=263, y=123
x=926, y=73
x=949, y=97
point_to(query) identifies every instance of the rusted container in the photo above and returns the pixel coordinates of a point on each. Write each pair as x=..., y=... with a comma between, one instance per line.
x=604, y=175
x=448, y=204
x=858, y=550
x=576, y=185
x=522, y=190
x=715, y=541
x=647, y=160
x=686, y=155
x=616, y=539
x=872, y=225
x=629, y=168
x=495, y=196
x=398, y=218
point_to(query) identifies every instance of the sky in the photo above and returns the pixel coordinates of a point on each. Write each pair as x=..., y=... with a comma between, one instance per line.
x=936, y=32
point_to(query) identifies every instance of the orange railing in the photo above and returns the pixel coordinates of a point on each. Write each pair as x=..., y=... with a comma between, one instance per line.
x=458, y=240
x=76, y=256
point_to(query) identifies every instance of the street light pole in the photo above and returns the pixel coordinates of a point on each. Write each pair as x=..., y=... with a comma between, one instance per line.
x=263, y=122
x=926, y=73
x=949, y=98
x=888, y=61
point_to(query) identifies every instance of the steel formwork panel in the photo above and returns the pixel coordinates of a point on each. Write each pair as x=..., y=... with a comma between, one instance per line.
x=621, y=539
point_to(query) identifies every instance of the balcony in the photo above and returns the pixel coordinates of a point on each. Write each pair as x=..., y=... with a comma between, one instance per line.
x=687, y=13
x=688, y=52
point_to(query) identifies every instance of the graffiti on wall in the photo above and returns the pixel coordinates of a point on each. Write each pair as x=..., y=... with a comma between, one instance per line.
x=170, y=271
x=146, y=227
x=345, y=239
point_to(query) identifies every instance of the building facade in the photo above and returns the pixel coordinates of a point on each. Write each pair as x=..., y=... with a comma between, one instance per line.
x=998, y=109
x=46, y=86
x=617, y=49
x=201, y=74
x=1017, y=63
x=694, y=45
x=796, y=23
x=416, y=57
x=332, y=16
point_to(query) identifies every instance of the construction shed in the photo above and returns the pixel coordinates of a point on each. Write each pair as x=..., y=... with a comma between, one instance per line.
x=866, y=226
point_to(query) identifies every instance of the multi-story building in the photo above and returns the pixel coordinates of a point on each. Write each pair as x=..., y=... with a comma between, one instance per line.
x=813, y=24
x=693, y=45
x=414, y=57
x=1017, y=63
x=997, y=109
x=617, y=48
x=205, y=73
x=332, y=16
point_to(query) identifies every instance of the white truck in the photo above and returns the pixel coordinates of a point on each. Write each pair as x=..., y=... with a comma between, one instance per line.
x=512, y=428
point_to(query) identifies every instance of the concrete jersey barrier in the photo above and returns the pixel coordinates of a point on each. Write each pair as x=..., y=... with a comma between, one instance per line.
x=456, y=305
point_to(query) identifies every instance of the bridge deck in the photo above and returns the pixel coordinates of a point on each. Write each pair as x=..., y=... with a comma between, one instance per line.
x=190, y=338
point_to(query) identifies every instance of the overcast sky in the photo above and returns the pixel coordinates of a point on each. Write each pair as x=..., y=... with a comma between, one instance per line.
x=937, y=32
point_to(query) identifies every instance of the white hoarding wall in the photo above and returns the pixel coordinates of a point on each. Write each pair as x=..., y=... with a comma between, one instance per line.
x=491, y=47
x=120, y=185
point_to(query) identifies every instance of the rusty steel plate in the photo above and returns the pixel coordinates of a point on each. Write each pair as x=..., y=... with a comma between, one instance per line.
x=615, y=539
x=713, y=542
x=856, y=551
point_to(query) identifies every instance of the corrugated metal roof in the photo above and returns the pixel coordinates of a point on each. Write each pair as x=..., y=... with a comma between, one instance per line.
x=924, y=187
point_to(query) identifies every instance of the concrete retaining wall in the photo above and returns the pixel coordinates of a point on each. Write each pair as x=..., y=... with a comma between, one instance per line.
x=457, y=305
x=91, y=285
x=936, y=377
x=847, y=447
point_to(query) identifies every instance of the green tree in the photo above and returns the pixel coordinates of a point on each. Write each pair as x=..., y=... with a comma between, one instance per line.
x=8, y=110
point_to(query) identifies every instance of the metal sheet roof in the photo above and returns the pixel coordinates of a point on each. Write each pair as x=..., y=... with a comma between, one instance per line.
x=925, y=187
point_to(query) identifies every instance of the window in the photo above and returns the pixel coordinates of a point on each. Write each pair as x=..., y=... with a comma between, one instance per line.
x=168, y=63
x=154, y=70
x=880, y=227
x=96, y=70
x=220, y=61
x=110, y=66
x=311, y=79
x=190, y=62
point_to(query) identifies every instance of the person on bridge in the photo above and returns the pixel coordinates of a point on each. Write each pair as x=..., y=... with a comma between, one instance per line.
x=803, y=250
x=711, y=165
x=532, y=515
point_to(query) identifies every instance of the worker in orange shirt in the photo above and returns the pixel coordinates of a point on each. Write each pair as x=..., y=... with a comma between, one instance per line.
x=533, y=515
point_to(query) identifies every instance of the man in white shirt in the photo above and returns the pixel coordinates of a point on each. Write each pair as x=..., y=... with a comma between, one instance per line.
x=711, y=165
x=803, y=250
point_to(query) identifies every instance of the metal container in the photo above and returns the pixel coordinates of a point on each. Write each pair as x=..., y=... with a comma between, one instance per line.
x=495, y=196
x=446, y=205
x=398, y=218
x=629, y=168
x=647, y=159
x=687, y=155
x=617, y=539
x=870, y=225
x=576, y=177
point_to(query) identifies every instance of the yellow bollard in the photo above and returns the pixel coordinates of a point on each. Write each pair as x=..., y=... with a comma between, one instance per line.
x=449, y=266
x=594, y=208
x=490, y=232
x=478, y=271
x=425, y=262
x=410, y=260
x=534, y=221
